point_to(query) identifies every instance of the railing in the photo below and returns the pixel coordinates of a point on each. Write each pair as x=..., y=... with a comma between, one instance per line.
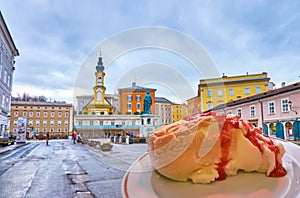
x=110, y=127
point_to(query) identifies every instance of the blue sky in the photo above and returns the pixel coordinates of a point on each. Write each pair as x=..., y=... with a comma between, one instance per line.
x=56, y=39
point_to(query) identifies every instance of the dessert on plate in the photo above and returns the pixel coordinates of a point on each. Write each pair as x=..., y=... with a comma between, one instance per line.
x=208, y=147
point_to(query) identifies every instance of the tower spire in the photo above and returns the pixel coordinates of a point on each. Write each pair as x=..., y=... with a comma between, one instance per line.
x=100, y=66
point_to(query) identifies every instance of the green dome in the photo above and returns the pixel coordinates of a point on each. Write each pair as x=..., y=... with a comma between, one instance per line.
x=100, y=66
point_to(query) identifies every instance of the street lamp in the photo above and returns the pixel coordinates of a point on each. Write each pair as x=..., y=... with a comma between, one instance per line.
x=290, y=105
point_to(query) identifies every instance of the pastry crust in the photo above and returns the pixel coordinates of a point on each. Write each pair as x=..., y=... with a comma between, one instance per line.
x=195, y=149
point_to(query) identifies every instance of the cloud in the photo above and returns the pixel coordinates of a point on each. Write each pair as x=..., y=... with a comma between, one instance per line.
x=55, y=38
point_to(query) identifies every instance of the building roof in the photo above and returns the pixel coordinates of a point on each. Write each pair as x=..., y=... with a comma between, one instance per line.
x=7, y=36
x=193, y=98
x=30, y=103
x=234, y=79
x=135, y=87
x=162, y=99
x=85, y=96
x=285, y=89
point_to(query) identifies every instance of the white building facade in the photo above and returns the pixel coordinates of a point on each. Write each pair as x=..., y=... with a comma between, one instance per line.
x=8, y=52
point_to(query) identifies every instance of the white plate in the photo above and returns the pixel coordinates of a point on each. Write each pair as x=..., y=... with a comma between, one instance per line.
x=141, y=180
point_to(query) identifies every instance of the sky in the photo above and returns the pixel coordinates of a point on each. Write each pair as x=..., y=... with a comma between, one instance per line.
x=168, y=45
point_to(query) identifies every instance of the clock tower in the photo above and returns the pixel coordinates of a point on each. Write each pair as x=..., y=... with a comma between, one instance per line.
x=99, y=88
x=99, y=106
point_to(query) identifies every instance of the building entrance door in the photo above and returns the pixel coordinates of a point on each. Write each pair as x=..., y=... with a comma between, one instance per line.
x=279, y=131
x=296, y=128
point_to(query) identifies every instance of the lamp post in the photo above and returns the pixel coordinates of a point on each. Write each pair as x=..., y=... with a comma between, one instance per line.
x=290, y=106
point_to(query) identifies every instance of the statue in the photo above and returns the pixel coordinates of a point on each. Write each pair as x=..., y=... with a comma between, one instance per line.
x=147, y=103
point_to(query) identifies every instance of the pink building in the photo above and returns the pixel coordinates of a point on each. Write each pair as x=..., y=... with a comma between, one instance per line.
x=276, y=111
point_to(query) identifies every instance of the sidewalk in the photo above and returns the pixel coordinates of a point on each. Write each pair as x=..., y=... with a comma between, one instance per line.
x=296, y=142
x=11, y=147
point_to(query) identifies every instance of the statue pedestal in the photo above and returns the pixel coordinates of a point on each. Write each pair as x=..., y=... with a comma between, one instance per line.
x=147, y=125
x=145, y=130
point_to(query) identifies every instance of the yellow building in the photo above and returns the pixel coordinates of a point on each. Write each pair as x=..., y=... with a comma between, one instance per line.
x=193, y=105
x=42, y=117
x=99, y=105
x=179, y=111
x=216, y=91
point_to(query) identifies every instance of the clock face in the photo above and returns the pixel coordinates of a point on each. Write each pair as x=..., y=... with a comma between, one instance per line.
x=100, y=79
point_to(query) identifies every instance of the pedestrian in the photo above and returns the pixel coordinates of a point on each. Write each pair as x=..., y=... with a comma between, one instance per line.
x=47, y=138
x=74, y=137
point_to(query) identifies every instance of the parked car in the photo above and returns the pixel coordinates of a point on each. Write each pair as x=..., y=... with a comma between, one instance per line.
x=41, y=137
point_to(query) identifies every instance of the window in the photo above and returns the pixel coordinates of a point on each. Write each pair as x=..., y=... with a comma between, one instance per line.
x=3, y=101
x=129, y=98
x=252, y=111
x=67, y=114
x=285, y=105
x=231, y=93
x=37, y=114
x=8, y=81
x=37, y=122
x=16, y=114
x=7, y=102
x=45, y=114
x=271, y=107
x=58, y=122
x=51, y=130
x=99, y=80
x=15, y=122
x=52, y=114
x=24, y=114
x=66, y=122
x=220, y=102
x=5, y=76
x=99, y=95
x=138, y=105
x=129, y=105
x=138, y=98
x=51, y=122
x=30, y=114
x=45, y=122
x=220, y=92
x=209, y=105
x=239, y=112
x=59, y=114
x=257, y=90
x=247, y=91
x=208, y=93
x=30, y=122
